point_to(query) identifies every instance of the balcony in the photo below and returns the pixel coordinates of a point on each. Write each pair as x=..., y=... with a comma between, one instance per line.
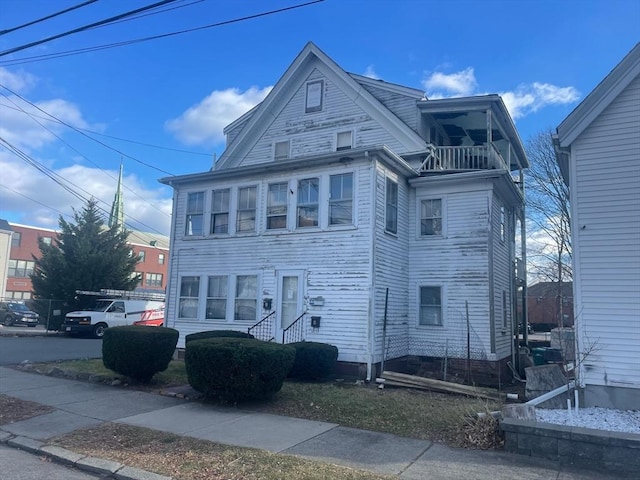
x=462, y=159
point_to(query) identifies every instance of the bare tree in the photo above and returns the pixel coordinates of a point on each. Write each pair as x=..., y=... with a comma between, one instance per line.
x=548, y=212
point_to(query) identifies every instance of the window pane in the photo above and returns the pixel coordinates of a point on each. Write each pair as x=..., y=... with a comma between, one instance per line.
x=161, y=258
x=217, y=298
x=344, y=141
x=341, y=203
x=277, y=205
x=189, y=286
x=15, y=239
x=308, y=202
x=246, y=297
x=282, y=150
x=314, y=97
x=246, y=209
x=430, y=306
x=431, y=217
x=391, y=224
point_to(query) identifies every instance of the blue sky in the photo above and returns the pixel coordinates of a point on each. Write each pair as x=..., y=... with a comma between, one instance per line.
x=161, y=105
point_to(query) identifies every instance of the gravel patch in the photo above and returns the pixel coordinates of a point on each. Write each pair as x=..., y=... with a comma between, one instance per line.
x=627, y=421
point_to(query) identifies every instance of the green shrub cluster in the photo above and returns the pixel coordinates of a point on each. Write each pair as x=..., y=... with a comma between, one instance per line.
x=237, y=369
x=138, y=351
x=314, y=361
x=216, y=334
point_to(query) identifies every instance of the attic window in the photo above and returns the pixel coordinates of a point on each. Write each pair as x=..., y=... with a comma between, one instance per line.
x=281, y=150
x=314, y=96
x=344, y=141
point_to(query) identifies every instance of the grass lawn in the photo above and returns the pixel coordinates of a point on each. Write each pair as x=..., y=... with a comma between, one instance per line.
x=410, y=413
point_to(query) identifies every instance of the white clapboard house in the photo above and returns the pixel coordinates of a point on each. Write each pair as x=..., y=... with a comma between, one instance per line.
x=598, y=150
x=356, y=212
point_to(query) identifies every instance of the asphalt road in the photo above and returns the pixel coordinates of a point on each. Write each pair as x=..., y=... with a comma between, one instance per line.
x=14, y=350
x=18, y=465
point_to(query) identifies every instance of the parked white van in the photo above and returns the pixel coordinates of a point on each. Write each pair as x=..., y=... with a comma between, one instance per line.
x=111, y=312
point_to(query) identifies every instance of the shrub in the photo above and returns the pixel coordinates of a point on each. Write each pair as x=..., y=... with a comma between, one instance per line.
x=237, y=369
x=216, y=334
x=138, y=351
x=313, y=360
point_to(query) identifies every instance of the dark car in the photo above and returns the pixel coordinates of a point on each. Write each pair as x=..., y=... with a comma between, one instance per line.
x=17, y=313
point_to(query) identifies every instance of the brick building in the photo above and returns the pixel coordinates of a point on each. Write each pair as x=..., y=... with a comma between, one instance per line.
x=152, y=251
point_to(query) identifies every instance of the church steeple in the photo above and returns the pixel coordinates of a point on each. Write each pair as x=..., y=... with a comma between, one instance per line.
x=116, y=218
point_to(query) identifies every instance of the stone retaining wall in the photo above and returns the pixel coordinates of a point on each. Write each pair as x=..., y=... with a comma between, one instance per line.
x=614, y=452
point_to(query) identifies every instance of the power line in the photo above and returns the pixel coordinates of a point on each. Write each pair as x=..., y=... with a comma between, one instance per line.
x=154, y=37
x=160, y=147
x=84, y=4
x=80, y=153
x=82, y=133
x=86, y=27
x=65, y=184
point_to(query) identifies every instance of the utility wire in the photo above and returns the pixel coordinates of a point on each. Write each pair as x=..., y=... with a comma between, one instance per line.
x=160, y=147
x=84, y=4
x=86, y=27
x=65, y=184
x=82, y=133
x=81, y=154
x=154, y=37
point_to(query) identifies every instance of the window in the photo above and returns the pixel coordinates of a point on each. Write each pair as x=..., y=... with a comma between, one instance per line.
x=19, y=295
x=15, y=239
x=281, y=150
x=220, y=211
x=344, y=141
x=195, y=214
x=391, y=207
x=189, y=291
x=246, y=297
x=430, y=306
x=141, y=256
x=277, y=205
x=341, y=199
x=161, y=259
x=153, y=279
x=46, y=240
x=505, y=310
x=217, y=298
x=314, y=96
x=308, y=202
x=502, y=224
x=431, y=217
x=247, y=209
x=137, y=276
x=20, y=268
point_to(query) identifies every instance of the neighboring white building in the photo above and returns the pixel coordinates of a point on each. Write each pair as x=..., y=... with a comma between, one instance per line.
x=338, y=187
x=598, y=147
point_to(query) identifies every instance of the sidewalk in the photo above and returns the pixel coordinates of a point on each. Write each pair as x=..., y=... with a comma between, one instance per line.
x=79, y=405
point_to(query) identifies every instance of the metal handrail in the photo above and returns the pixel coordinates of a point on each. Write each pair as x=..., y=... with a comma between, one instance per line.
x=260, y=322
x=293, y=324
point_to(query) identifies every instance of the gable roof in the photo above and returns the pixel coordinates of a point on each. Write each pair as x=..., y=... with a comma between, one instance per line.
x=294, y=77
x=600, y=98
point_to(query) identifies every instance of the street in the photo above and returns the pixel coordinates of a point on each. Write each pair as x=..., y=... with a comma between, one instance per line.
x=14, y=350
x=19, y=465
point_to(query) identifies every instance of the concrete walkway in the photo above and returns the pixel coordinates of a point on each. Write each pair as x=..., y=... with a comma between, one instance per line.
x=79, y=405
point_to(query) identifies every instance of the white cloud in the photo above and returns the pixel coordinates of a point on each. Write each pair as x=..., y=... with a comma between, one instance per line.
x=25, y=126
x=19, y=81
x=459, y=84
x=203, y=123
x=37, y=200
x=370, y=72
x=524, y=100
x=528, y=99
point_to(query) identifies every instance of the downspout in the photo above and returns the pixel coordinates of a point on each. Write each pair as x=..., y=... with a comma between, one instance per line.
x=492, y=324
x=371, y=320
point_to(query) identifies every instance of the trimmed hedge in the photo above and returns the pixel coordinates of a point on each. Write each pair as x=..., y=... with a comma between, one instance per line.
x=314, y=360
x=216, y=334
x=237, y=369
x=138, y=351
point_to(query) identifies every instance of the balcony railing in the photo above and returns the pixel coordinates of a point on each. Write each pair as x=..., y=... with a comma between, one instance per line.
x=477, y=157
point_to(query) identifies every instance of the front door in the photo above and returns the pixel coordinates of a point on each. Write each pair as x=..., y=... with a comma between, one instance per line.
x=290, y=296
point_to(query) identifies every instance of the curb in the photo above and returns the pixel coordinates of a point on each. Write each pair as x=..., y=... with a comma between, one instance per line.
x=101, y=466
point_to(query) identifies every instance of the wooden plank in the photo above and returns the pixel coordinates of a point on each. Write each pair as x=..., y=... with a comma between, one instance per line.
x=412, y=381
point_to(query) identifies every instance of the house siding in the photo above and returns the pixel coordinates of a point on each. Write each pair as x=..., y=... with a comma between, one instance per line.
x=336, y=262
x=315, y=133
x=457, y=261
x=606, y=227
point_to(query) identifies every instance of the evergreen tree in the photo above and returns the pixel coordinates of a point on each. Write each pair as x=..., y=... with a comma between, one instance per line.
x=86, y=255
